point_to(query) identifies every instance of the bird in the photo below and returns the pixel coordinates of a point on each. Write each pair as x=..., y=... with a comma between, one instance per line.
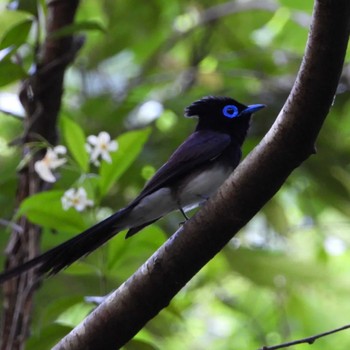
x=192, y=174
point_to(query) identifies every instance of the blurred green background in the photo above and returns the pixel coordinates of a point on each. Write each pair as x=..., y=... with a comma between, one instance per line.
x=286, y=275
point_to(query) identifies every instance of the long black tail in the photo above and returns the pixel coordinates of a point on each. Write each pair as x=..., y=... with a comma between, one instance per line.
x=68, y=252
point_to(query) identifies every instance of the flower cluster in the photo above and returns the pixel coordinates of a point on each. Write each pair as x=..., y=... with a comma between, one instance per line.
x=99, y=147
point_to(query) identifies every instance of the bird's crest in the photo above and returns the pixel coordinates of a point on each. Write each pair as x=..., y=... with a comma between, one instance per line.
x=209, y=104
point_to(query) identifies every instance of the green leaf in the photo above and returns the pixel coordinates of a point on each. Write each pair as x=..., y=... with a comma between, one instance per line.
x=78, y=27
x=30, y=6
x=59, y=306
x=48, y=336
x=82, y=268
x=45, y=209
x=10, y=72
x=130, y=145
x=124, y=256
x=16, y=35
x=8, y=19
x=276, y=216
x=75, y=139
x=72, y=316
x=136, y=344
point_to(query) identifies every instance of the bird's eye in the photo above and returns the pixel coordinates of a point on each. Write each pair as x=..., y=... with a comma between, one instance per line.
x=230, y=111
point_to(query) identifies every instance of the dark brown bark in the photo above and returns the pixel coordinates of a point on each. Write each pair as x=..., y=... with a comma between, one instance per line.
x=289, y=142
x=41, y=97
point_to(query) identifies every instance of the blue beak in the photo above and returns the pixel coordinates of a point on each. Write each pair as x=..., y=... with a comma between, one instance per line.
x=252, y=109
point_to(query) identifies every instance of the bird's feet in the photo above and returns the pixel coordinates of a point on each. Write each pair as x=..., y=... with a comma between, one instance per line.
x=185, y=216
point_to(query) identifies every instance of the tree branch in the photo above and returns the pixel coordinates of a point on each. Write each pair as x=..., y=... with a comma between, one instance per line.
x=41, y=98
x=289, y=142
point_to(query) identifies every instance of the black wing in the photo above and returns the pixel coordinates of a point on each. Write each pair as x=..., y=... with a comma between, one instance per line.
x=201, y=147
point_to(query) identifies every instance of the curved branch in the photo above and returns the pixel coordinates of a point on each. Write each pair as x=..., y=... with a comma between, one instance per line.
x=289, y=142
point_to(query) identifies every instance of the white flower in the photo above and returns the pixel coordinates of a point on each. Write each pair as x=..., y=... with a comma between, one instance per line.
x=76, y=198
x=100, y=145
x=334, y=245
x=50, y=161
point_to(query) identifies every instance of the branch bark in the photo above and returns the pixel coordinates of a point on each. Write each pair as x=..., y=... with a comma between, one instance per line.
x=289, y=142
x=41, y=97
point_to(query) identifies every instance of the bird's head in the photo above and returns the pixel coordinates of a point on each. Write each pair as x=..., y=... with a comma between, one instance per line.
x=223, y=114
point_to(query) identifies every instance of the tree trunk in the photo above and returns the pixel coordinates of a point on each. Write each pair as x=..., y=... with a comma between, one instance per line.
x=41, y=97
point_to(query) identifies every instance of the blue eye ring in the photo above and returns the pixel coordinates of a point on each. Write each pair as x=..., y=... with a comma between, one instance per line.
x=230, y=111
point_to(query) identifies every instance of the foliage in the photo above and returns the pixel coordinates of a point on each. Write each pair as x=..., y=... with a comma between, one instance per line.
x=285, y=276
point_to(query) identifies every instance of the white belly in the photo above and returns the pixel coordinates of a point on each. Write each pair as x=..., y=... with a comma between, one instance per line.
x=197, y=190
x=202, y=187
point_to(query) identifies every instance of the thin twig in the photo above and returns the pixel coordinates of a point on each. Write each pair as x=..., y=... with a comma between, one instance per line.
x=308, y=340
x=11, y=224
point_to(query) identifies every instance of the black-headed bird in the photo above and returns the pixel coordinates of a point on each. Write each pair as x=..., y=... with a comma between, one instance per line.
x=192, y=174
